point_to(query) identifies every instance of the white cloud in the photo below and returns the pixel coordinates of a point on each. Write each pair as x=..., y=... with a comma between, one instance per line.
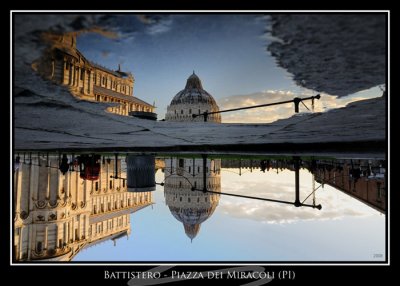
x=335, y=204
x=160, y=27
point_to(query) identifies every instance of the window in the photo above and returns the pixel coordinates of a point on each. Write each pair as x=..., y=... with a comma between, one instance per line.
x=181, y=163
x=39, y=247
x=111, y=184
x=67, y=66
x=190, y=111
x=181, y=111
x=380, y=191
x=190, y=170
x=82, y=74
x=97, y=186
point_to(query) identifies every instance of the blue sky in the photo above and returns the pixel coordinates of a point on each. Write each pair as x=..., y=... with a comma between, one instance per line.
x=243, y=229
x=228, y=52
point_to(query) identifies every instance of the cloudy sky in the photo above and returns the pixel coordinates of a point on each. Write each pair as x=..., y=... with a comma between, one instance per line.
x=228, y=52
x=250, y=230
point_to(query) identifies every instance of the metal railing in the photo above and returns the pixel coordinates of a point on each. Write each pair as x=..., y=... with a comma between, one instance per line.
x=295, y=100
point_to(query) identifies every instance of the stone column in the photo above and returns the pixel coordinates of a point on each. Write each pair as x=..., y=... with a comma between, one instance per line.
x=76, y=76
x=57, y=236
x=90, y=82
x=21, y=240
x=72, y=229
x=83, y=71
x=65, y=73
x=17, y=190
x=65, y=232
x=73, y=71
x=45, y=237
x=33, y=185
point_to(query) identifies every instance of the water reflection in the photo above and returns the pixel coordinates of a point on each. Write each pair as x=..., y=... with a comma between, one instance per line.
x=65, y=203
x=182, y=176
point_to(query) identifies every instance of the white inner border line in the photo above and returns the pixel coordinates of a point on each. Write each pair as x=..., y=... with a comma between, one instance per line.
x=110, y=263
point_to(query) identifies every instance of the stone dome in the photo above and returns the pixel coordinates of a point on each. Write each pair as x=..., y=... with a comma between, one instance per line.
x=193, y=99
x=191, y=215
x=193, y=93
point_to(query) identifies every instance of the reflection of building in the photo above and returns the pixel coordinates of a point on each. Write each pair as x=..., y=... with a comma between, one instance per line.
x=64, y=64
x=56, y=215
x=191, y=208
x=192, y=100
x=362, y=181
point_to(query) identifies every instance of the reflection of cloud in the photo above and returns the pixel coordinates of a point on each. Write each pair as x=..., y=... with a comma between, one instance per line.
x=335, y=204
x=145, y=19
x=156, y=24
x=273, y=113
x=161, y=26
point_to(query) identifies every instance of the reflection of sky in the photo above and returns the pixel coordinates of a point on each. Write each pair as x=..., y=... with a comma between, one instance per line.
x=244, y=229
x=228, y=52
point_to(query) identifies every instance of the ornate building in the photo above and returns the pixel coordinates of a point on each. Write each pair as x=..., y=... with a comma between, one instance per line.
x=57, y=213
x=64, y=64
x=192, y=100
x=189, y=207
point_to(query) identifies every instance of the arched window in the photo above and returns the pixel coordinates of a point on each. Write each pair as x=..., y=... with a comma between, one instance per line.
x=39, y=247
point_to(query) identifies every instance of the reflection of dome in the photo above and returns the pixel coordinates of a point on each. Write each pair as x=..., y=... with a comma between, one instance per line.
x=189, y=207
x=193, y=213
x=192, y=99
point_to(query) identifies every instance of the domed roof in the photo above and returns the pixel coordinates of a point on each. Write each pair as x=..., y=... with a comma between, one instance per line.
x=193, y=93
x=192, y=217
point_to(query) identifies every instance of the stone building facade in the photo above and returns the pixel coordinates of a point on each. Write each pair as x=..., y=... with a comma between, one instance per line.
x=192, y=100
x=64, y=64
x=367, y=188
x=57, y=215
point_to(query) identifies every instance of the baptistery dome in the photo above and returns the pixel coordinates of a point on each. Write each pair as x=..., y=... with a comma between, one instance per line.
x=192, y=207
x=192, y=100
